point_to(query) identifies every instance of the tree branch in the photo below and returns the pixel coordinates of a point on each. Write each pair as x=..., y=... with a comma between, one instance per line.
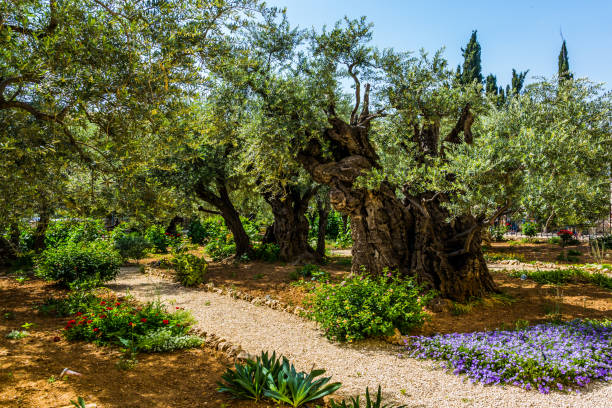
x=202, y=209
x=357, y=94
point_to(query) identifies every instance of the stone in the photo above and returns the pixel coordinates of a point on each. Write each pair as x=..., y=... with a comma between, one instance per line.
x=395, y=338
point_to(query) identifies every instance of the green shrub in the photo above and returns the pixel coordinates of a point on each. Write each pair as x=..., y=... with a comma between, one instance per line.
x=499, y=256
x=190, y=270
x=221, y=247
x=131, y=245
x=366, y=306
x=555, y=240
x=74, y=262
x=562, y=276
x=530, y=229
x=62, y=232
x=498, y=231
x=266, y=252
x=156, y=235
x=574, y=252
x=81, y=297
x=179, y=244
x=196, y=232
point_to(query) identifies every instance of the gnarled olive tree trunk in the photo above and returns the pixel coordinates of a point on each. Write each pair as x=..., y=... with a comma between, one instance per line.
x=290, y=227
x=411, y=236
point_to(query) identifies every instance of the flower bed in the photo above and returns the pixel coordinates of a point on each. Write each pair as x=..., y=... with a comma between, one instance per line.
x=563, y=356
x=150, y=327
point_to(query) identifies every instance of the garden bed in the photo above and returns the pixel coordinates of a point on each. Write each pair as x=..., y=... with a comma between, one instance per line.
x=30, y=367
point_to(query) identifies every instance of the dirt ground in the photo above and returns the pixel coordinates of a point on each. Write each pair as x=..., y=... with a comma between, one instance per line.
x=30, y=367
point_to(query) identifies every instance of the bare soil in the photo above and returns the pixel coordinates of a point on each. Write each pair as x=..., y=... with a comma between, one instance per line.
x=30, y=367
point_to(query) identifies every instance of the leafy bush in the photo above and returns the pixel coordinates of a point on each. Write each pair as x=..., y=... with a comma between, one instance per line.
x=567, y=238
x=266, y=252
x=75, y=262
x=366, y=306
x=369, y=402
x=80, y=297
x=559, y=356
x=499, y=256
x=156, y=235
x=498, y=231
x=276, y=379
x=574, y=252
x=62, y=232
x=190, y=270
x=554, y=240
x=131, y=245
x=530, y=229
x=112, y=322
x=221, y=247
x=178, y=243
x=196, y=232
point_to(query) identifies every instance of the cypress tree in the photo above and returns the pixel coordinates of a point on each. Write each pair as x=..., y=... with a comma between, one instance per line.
x=472, y=69
x=518, y=79
x=564, y=71
x=491, y=85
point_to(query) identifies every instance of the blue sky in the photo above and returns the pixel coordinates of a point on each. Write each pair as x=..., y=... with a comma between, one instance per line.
x=513, y=34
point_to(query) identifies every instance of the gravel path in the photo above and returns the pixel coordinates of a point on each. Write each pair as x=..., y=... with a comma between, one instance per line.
x=404, y=380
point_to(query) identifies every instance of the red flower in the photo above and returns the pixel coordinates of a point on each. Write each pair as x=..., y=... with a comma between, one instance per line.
x=72, y=322
x=177, y=308
x=131, y=324
x=95, y=329
x=178, y=325
x=102, y=302
x=165, y=322
x=89, y=321
x=84, y=318
x=144, y=320
x=102, y=316
x=117, y=304
x=79, y=313
x=68, y=327
x=109, y=308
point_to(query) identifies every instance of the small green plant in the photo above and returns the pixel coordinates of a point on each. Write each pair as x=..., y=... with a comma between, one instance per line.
x=17, y=334
x=28, y=326
x=312, y=272
x=258, y=276
x=597, y=250
x=458, y=309
x=369, y=401
x=22, y=279
x=157, y=237
x=266, y=252
x=521, y=324
x=554, y=240
x=51, y=379
x=190, y=269
x=499, y=256
x=80, y=403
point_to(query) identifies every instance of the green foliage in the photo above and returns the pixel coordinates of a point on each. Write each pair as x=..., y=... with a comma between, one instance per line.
x=276, y=379
x=131, y=245
x=74, y=262
x=562, y=276
x=563, y=63
x=81, y=297
x=498, y=231
x=197, y=232
x=554, y=240
x=156, y=236
x=366, y=306
x=530, y=229
x=369, y=402
x=221, y=247
x=190, y=269
x=70, y=231
x=113, y=322
x=164, y=339
x=499, y=256
x=472, y=68
x=298, y=388
x=266, y=252
x=312, y=272
x=17, y=334
x=79, y=403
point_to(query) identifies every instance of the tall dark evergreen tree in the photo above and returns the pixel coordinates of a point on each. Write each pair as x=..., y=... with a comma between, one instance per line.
x=472, y=68
x=491, y=85
x=518, y=80
x=564, y=71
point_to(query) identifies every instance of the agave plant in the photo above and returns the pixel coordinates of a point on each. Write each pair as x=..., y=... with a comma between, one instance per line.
x=298, y=388
x=250, y=380
x=369, y=403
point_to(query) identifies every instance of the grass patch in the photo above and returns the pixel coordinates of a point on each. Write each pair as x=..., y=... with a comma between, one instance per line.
x=563, y=276
x=500, y=256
